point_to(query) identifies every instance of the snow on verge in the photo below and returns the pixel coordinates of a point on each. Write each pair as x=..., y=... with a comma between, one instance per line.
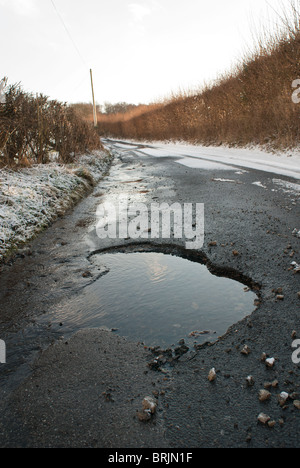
x=285, y=163
x=31, y=198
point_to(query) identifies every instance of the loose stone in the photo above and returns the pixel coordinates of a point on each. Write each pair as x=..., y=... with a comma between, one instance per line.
x=263, y=418
x=212, y=375
x=264, y=395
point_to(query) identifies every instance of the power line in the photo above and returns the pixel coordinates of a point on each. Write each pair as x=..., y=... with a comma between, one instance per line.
x=68, y=33
x=79, y=55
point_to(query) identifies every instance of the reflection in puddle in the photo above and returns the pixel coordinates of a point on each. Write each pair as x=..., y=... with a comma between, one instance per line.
x=158, y=299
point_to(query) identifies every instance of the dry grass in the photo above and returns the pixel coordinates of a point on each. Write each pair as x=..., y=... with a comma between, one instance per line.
x=250, y=105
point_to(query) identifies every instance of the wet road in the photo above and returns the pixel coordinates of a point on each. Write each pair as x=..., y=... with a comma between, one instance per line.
x=249, y=219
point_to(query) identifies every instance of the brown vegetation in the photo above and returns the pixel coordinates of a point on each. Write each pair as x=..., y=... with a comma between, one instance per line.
x=251, y=105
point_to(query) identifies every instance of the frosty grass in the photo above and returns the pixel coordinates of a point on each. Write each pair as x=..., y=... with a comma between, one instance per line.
x=31, y=198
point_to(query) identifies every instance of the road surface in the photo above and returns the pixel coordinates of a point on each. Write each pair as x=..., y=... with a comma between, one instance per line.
x=66, y=386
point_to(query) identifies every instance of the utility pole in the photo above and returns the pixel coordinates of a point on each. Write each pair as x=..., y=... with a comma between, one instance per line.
x=38, y=128
x=94, y=104
x=3, y=83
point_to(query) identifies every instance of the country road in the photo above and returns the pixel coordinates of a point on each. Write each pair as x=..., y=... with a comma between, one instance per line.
x=69, y=383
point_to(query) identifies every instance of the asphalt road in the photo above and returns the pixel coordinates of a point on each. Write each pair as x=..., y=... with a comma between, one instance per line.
x=64, y=386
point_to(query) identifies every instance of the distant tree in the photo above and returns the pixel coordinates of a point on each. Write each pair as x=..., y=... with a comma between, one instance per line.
x=118, y=108
x=85, y=109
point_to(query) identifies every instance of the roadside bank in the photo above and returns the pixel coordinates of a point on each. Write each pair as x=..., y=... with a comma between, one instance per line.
x=32, y=198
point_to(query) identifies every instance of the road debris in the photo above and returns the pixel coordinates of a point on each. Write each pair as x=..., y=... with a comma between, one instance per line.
x=250, y=381
x=282, y=398
x=297, y=404
x=149, y=405
x=264, y=395
x=212, y=375
x=246, y=350
x=270, y=362
x=263, y=418
x=295, y=267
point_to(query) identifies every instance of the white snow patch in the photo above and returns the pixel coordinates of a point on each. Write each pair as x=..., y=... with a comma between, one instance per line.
x=296, y=233
x=224, y=180
x=241, y=172
x=295, y=266
x=259, y=184
x=119, y=145
x=204, y=164
x=282, y=163
x=157, y=152
x=288, y=187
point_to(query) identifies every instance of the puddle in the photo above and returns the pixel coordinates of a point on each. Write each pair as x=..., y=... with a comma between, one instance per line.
x=146, y=296
x=158, y=299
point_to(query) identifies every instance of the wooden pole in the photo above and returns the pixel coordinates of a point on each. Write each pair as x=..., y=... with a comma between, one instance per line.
x=94, y=104
x=38, y=129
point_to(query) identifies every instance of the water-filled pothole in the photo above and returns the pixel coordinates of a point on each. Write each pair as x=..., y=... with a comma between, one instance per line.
x=159, y=299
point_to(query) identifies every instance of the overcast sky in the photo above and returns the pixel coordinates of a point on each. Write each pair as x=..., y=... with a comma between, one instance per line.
x=139, y=50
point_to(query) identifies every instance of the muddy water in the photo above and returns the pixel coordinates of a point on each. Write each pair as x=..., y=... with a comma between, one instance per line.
x=158, y=299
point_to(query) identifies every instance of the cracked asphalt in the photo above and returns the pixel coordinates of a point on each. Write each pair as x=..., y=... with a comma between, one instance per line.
x=67, y=386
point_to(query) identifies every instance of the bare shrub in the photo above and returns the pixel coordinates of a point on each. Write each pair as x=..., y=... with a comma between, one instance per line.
x=32, y=126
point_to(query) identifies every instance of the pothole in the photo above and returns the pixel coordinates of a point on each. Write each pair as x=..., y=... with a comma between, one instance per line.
x=168, y=298
x=159, y=299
